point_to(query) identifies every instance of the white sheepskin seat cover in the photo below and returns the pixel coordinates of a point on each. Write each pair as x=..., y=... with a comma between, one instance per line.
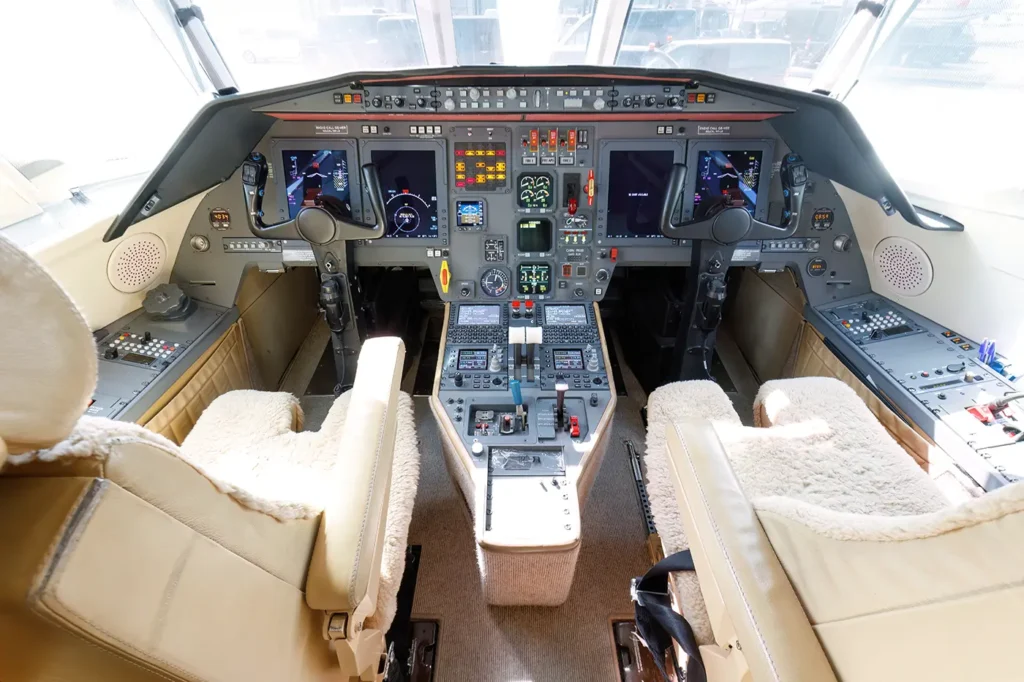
x=244, y=444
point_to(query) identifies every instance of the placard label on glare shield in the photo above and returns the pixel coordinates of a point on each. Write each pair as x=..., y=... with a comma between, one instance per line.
x=330, y=129
x=715, y=130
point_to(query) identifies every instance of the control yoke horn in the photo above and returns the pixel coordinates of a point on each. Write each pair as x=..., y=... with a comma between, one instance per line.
x=317, y=224
x=732, y=224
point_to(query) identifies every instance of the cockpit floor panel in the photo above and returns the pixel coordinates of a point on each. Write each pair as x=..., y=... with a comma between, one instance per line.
x=569, y=643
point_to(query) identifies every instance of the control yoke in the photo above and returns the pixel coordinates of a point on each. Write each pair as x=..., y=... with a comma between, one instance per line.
x=317, y=224
x=734, y=223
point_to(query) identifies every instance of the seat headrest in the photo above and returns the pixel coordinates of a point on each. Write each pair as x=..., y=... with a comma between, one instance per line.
x=47, y=355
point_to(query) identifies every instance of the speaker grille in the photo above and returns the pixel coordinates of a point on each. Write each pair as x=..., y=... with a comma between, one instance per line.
x=135, y=262
x=903, y=266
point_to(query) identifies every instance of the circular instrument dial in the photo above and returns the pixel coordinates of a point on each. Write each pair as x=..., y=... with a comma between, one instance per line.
x=494, y=282
x=577, y=222
x=405, y=210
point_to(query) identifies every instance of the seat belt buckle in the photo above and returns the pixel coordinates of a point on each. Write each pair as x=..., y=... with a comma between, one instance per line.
x=633, y=590
x=336, y=626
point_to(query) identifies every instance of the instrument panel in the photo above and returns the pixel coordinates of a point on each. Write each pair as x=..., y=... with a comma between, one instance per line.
x=535, y=193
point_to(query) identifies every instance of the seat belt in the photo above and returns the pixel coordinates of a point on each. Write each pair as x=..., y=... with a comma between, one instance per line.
x=658, y=625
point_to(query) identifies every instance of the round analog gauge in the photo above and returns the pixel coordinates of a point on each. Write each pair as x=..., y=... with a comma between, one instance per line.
x=526, y=197
x=405, y=210
x=494, y=282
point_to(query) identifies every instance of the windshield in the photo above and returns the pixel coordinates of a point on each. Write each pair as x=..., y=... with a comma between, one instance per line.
x=119, y=80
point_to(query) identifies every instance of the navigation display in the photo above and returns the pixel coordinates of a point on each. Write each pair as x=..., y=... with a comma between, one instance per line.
x=534, y=278
x=311, y=174
x=479, y=315
x=565, y=315
x=636, y=190
x=472, y=358
x=726, y=179
x=480, y=166
x=534, y=235
x=409, y=180
x=567, y=359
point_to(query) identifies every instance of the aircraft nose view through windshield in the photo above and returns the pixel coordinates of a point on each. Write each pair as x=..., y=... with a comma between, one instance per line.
x=511, y=340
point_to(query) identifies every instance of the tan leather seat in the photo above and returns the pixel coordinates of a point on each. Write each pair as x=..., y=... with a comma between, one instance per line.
x=251, y=552
x=822, y=556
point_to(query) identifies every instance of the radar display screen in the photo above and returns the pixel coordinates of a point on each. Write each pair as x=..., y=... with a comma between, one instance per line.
x=480, y=166
x=472, y=359
x=567, y=359
x=480, y=315
x=535, y=190
x=534, y=235
x=726, y=179
x=636, y=190
x=311, y=174
x=534, y=278
x=469, y=214
x=408, y=179
x=565, y=315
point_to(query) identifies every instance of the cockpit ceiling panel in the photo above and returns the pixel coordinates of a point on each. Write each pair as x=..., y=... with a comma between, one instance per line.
x=215, y=143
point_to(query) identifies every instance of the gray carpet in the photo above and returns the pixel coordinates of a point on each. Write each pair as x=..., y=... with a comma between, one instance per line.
x=528, y=644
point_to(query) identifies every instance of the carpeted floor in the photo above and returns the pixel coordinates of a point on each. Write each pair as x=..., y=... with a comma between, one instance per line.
x=528, y=644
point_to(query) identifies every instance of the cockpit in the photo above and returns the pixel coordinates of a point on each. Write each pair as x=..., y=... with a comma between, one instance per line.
x=650, y=341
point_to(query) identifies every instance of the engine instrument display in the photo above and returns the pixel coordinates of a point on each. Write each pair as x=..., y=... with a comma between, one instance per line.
x=480, y=315
x=535, y=190
x=534, y=278
x=726, y=179
x=494, y=282
x=567, y=359
x=469, y=215
x=480, y=166
x=472, y=358
x=636, y=190
x=310, y=174
x=565, y=315
x=409, y=181
x=534, y=235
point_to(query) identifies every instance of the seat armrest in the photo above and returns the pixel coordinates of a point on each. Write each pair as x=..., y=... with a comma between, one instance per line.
x=749, y=596
x=345, y=566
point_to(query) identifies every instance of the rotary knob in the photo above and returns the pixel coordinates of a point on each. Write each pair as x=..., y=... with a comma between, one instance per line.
x=672, y=101
x=421, y=102
x=399, y=101
x=474, y=94
x=842, y=243
x=601, y=275
x=650, y=101
x=449, y=104
x=510, y=93
x=599, y=104
x=377, y=102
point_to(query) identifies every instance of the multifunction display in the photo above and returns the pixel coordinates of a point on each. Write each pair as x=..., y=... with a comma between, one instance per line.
x=637, y=182
x=534, y=278
x=534, y=235
x=479, y=315
x=472, y=358
x=726, y=179
x=565, y=315
x=567, y=359
x=313, y=174
x=409, y=181
x=480, y=166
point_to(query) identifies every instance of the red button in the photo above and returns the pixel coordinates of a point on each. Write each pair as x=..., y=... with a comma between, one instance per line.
x=614, y=254
x=515, y=304
x=529, y=305
x=567, y=270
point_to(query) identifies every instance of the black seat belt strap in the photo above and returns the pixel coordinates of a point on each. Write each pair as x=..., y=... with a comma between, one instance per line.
x=658, y=625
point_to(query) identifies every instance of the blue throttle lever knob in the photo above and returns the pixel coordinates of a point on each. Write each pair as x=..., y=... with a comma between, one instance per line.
x=517, y=393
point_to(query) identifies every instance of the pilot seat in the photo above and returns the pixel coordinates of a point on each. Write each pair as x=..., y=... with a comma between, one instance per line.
x=822, y=550
x=250, y=552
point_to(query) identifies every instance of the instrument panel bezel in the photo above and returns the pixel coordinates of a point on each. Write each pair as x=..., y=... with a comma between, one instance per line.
x=764, y=184
x=440, y=148
x=347, y=144
x=604, y=149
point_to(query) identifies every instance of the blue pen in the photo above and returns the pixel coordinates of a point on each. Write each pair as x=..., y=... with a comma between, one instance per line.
x=991, y=352
x=983, y=350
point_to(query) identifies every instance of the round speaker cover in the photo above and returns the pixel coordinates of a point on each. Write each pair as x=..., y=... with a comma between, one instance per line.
x=903, y=266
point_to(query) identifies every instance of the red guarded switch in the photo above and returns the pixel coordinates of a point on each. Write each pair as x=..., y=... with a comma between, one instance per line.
x=614, y=254
x=574, y=427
